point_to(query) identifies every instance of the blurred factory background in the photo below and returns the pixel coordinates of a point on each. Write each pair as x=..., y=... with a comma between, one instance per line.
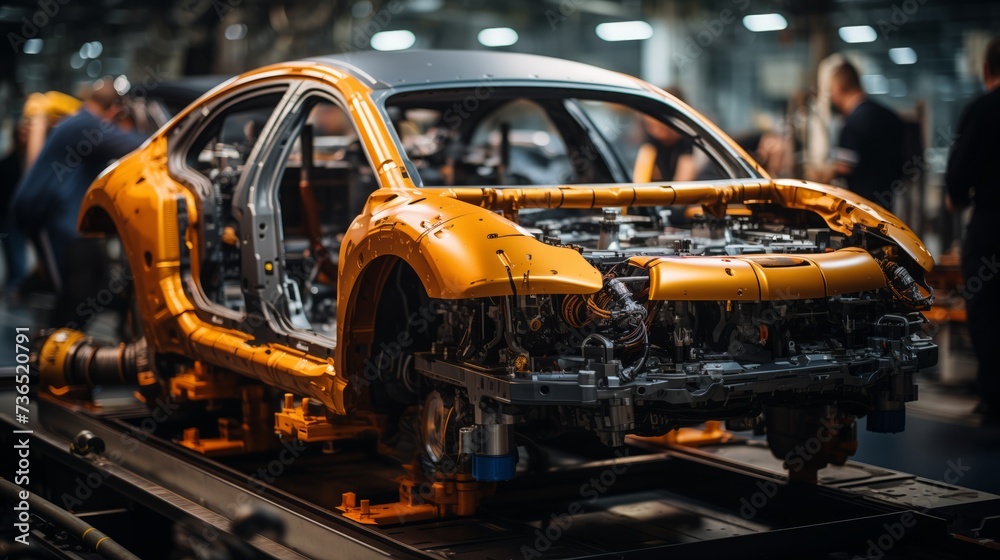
x=751, y=66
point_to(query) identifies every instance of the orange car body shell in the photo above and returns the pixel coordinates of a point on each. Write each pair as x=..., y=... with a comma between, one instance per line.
x=452, y=237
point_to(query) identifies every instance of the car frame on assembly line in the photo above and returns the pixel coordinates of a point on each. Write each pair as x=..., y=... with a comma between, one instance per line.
x=455, y=241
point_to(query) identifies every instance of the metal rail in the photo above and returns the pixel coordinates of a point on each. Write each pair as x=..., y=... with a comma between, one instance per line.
x=189, y=493
x=676, y=501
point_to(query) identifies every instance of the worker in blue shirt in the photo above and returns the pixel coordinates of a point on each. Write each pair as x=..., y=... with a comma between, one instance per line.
x=48, y=198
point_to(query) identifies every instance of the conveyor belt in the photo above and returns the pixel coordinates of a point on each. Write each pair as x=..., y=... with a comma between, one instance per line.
x=727, y=499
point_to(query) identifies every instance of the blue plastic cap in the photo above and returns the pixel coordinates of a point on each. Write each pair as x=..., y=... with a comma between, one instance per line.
x=494, y=468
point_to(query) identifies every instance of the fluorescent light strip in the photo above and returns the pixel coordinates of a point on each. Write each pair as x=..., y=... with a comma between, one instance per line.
x=624, y=31
x=393, y=40
x=903, y=55
x=497, y=37
x=858, y=34
x=765, y=22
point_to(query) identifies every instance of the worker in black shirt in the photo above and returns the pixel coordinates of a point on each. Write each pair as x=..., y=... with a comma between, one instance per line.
x=664, y=154
x=972, y=178
x=674, y=154
x=869, y=155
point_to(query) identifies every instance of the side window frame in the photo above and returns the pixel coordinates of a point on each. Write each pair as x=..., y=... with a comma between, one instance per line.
x=261, y=194
x=181, y=141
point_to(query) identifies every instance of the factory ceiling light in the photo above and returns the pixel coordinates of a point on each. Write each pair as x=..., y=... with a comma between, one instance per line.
x=903, y=55
x=858, y=34
x=497, y=37
x=765, y=22
x=624, y=31
x=398, y=40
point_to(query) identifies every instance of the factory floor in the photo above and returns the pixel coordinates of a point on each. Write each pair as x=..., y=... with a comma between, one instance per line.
x=943, y=437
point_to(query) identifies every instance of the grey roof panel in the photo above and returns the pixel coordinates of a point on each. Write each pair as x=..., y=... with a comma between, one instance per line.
x=382, y=70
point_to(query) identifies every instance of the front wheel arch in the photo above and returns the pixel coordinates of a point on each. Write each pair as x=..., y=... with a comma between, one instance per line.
x=364, y=323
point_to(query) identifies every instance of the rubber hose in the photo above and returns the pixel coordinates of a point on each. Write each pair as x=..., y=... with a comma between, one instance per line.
x=91, y=537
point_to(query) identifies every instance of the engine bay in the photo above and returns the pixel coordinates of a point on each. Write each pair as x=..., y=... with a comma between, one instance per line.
x=732, y=318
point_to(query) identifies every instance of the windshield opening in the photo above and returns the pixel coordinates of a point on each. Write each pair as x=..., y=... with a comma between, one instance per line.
x=518, y=136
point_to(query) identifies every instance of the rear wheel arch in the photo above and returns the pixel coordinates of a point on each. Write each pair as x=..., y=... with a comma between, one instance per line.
x=96, y=220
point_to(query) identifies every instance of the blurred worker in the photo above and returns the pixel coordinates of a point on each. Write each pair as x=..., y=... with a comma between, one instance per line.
x=768, y=146
x=665, y=154
x=42, y=111
x=769, y=149
x=971, y=178
x=14, y=244
x=672, y=154
x=869, y=155
x=49, y=196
